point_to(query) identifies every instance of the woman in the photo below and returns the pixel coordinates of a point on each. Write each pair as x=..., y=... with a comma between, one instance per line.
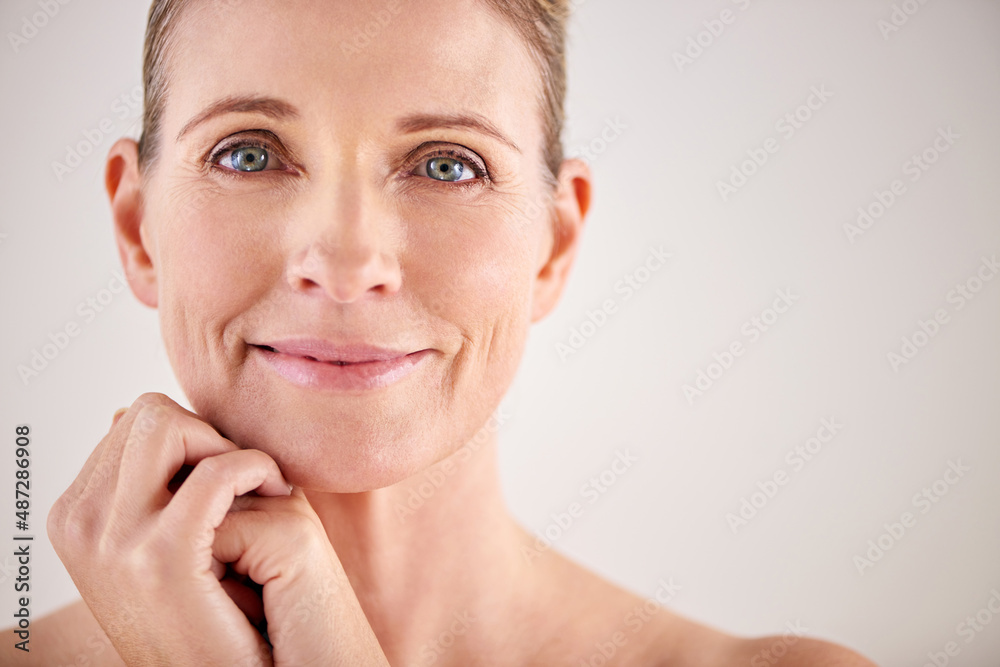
x=347, y=243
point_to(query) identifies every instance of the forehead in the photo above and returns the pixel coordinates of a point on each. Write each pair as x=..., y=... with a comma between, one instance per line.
x=354, y=62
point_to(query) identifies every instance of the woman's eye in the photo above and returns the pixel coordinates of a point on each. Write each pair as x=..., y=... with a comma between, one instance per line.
x=448, y=169
x=245, y=158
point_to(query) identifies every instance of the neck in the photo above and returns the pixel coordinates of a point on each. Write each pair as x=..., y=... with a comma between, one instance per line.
x=434, y=555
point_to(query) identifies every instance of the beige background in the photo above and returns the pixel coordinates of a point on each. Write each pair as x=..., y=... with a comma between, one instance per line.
x=660, y=136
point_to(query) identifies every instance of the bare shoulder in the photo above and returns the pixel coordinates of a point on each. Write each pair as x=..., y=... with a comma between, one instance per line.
x=633, y=631
x=794, y=650
x=67, y=636
x=683, y=642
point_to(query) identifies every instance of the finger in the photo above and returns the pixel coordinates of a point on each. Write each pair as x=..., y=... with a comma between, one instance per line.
x=271, y=537
x=161, y=441
x=295, y=501
x=218, y=568
x=91, y=498
x=203, y=501
x=79, y=484
x=99, y=473
x=246, y=598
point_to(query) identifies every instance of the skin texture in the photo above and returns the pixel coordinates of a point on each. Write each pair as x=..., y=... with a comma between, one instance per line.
x=326, y=252
x=344, y=238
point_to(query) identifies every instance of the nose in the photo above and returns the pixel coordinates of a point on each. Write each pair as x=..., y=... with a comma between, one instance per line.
x=346, y=249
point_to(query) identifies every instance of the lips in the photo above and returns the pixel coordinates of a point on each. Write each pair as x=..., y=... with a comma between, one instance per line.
x=341, y=355
x=319, y=364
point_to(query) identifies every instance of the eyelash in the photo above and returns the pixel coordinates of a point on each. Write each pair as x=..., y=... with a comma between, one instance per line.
x=482, y=174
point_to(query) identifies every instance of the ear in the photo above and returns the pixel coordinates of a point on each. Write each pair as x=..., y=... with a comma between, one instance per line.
x=572, y=201
x=122, y=181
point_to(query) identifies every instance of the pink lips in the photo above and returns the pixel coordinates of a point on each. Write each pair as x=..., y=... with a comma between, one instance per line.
x=319, y=364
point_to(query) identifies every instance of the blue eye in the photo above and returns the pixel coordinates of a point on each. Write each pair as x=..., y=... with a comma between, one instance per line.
x=447, y=169
x=247, y=158
x=450, y=166
x=246, y=155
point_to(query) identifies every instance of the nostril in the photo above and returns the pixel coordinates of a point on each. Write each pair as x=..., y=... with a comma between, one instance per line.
x=345, y=272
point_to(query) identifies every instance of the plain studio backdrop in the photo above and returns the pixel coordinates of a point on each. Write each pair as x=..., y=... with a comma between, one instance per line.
x=802, y=398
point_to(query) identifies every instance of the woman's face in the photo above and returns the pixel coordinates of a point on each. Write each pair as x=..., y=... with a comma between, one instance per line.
x=371, y=223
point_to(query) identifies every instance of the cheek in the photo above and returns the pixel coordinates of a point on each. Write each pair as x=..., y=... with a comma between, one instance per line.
x=473, y=273
x=215, y=248
x=216, y=259
x=472, y=270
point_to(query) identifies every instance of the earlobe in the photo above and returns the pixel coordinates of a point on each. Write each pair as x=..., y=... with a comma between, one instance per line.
x=123, y=183
x=572, y=201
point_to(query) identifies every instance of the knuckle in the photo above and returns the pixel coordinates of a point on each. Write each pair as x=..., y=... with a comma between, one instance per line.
x=243, y=503
x=302, y=519
x=151, y=398
x=148, y=418
x=145, y=562
x=211, y=467
x=300, y=506
x=55, y=523
x=299, y=524
x=72, y=530
x=101, y=482
x=259, y=458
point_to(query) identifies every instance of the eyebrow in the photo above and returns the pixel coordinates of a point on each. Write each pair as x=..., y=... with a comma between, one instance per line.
x=268, y=106
x=468, y=121
x=279, y=109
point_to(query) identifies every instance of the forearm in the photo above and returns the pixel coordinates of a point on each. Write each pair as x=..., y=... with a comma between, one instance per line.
x=68, y=636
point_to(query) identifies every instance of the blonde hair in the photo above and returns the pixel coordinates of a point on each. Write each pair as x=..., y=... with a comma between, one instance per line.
x=540, y=23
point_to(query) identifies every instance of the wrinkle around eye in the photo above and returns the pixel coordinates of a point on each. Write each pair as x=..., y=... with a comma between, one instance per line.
x=280, y=157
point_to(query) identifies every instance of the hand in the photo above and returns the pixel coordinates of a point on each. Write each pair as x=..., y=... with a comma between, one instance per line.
x=313, y=615
x=141, y=553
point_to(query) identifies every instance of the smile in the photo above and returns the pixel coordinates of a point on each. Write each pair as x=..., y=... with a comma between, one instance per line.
x=320, y=365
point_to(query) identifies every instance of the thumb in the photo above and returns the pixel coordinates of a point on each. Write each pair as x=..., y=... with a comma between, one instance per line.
x=118, y=415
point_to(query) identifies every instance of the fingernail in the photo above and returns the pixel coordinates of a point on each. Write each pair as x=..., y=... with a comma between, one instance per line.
x=118, y=415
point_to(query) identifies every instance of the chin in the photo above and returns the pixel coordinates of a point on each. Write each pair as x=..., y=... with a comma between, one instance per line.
x=344, y=450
